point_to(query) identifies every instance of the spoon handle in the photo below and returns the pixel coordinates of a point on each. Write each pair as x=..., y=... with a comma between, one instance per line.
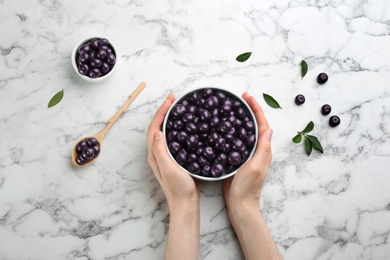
x=121, y=110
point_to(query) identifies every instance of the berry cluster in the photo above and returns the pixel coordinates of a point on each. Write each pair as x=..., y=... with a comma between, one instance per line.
x=325, y=109
x=95, y=58
x=87, y=150
x=210, y=132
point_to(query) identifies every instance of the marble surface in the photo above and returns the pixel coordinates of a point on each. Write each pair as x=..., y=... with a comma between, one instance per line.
x=334, y=205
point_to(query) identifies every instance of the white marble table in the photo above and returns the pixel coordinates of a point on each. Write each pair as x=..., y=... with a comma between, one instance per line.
x=334, y=205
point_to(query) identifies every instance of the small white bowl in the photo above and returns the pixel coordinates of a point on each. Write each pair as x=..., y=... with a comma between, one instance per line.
x=256, y=132
x=101, y=78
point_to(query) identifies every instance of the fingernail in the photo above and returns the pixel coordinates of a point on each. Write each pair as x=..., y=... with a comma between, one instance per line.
x=158, y=135
x=269, y=133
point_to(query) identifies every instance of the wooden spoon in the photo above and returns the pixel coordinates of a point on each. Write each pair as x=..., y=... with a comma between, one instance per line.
x=99, y=136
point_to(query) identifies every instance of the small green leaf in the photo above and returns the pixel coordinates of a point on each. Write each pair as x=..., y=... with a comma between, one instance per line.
x=243, y=57
x=309, y=127
x=271, y=101
x=303, y=68
x=56, y=99
x=316, y=143
x=297, y=139
x=308, y=146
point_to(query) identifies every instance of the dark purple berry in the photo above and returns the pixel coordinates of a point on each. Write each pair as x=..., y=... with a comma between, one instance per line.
x=95, y=43
x=96, y=149
x=325, y=109
x=178, y=124
x=80, y=146
x=105, y=68
x=209, y=153
x=81, y=160
x=194, y=168
x=84, y=57
x=178, y=111
x=103, y=41
x=225, y=127
x=188, y=118
x=250, y=140
x=216, y=170
x=192, y=141
x=234, y=158
x=237, y=144
x=94, y=73
x=334, y=121
x=88, y=153
x=92, y=141
x=96, y=63
x=174, y=147
x=322, y=78
x=205, y=115
x=83, y=69
x=181, y=157
x=299, y=99
x=207, y=92
x=111, y=58
x=181, y=136
x=191, y=128
x=206, y=170
x=101, y=54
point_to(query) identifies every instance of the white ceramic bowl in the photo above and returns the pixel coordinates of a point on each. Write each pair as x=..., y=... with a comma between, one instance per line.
x=101, y=78
x=225, y=175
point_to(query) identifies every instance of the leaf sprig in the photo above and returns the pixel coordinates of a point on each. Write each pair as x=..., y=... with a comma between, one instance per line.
x=310, y=140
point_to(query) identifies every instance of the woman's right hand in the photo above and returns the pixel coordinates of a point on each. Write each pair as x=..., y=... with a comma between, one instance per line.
x=244, y=188
x=242, y=195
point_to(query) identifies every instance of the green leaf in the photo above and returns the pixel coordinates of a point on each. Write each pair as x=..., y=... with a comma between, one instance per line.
x=309, y=127
x=316, y=143
x=297, y=139
x=243, y=57
x=303, y=68
x=271, y=101
x=56, y=99
x=308, y=146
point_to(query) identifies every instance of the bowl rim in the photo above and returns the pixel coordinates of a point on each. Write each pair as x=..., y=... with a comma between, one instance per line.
x=74, y=65
x=224, y=176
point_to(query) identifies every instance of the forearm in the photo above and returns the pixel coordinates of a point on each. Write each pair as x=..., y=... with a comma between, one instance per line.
x=253, y=234
x=183, y=235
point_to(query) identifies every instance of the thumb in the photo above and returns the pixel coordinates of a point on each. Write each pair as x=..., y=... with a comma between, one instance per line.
x=263, y=154
x=160, y=151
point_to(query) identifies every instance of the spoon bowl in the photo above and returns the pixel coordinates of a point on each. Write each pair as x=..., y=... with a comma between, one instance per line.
x=99, y=136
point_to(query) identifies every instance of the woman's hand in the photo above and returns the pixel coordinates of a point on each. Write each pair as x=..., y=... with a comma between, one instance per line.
x=179, y=187
x=244, y=188
x=242, y=194
x=181, y=190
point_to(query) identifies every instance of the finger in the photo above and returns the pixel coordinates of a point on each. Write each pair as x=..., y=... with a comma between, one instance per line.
x=262, y=122
x=245, y=96
x=153, y=164
x=158, y=119
x=263, y=154
x=160, y=152
x=171, y=97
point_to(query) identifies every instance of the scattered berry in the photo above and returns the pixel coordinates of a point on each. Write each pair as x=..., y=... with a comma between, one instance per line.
x=299, y=99
x=322, y=78
x=334, y=121
x=325, y=110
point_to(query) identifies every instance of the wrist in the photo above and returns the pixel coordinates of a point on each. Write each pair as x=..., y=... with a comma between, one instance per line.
x=240, y=212
x=184, y=206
